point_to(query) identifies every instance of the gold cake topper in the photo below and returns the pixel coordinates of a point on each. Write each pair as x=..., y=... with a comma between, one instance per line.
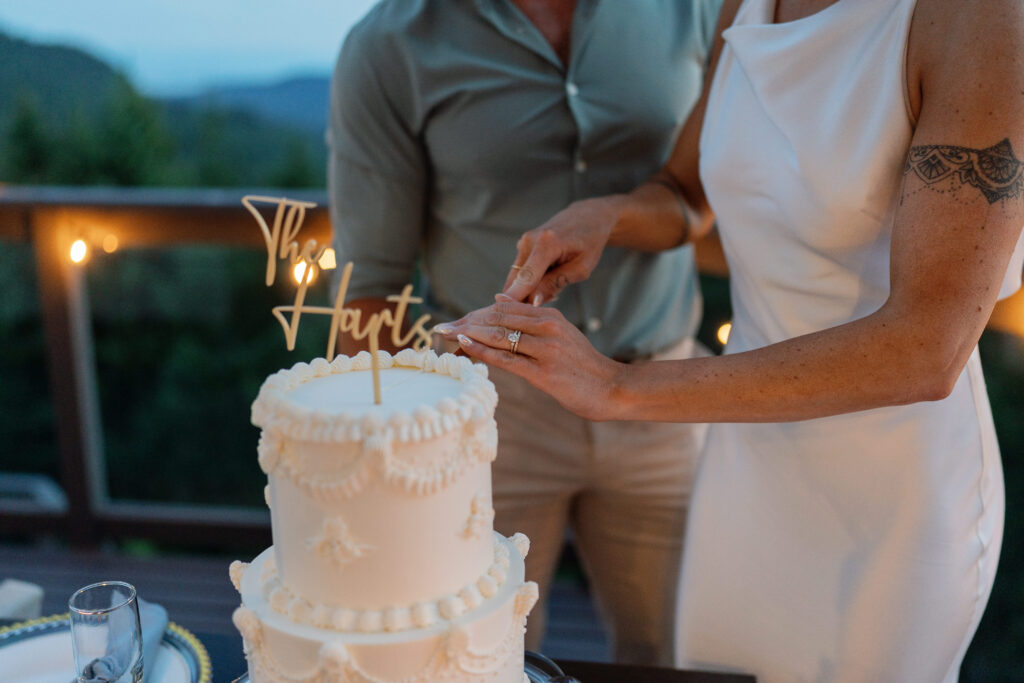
x=280, y=239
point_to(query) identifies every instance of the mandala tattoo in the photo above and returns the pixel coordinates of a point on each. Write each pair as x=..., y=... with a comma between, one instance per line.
x=995, y=171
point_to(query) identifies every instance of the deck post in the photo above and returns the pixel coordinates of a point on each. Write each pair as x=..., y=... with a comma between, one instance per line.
x=68, y=331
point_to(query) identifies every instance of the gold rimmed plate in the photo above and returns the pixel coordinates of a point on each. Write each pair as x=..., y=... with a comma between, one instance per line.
x=39, y=651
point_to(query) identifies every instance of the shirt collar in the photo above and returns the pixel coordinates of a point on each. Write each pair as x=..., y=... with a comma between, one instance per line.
x=507, y=18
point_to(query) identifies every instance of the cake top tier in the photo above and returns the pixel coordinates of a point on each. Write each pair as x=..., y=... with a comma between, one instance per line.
x=333, y=402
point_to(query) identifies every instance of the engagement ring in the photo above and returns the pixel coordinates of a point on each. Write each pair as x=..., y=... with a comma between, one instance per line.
x=513, y=338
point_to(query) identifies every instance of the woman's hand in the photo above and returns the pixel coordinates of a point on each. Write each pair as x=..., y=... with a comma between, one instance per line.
x=563, y=251
x=551, y=354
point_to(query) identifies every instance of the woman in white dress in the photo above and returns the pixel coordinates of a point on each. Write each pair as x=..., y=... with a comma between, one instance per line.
x=859, y=156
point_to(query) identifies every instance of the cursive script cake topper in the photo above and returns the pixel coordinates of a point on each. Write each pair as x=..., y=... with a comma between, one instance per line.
x=280, y=239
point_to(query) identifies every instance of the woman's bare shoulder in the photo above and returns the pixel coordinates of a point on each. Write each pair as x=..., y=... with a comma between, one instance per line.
x=952, y=44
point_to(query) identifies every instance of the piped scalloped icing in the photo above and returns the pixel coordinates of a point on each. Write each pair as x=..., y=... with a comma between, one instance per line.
x=455, y=658
x=274, y=411
x=392, y=619
x=466, y=418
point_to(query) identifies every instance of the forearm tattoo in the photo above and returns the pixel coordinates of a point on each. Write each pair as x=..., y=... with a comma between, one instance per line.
x=995, y=171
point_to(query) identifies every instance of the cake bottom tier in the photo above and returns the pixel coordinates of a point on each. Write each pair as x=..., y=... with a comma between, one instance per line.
x=484, y=644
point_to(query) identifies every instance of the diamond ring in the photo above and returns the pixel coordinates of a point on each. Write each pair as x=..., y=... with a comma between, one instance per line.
x=513, y=339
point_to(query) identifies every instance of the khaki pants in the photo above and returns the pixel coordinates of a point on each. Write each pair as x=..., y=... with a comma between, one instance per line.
x=624, y=490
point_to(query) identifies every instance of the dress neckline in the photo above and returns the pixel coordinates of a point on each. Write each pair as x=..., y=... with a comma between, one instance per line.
x=772, y=5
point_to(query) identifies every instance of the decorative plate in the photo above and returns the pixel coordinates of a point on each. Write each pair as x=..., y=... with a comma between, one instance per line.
x=39, y=651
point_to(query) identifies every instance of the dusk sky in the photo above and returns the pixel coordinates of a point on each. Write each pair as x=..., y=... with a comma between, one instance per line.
x=170, y=47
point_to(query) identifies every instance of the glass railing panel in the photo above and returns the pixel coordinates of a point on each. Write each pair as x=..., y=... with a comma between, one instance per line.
x=183, y=338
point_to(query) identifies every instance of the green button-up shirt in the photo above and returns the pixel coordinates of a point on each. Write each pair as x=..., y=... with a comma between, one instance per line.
x=455, y=128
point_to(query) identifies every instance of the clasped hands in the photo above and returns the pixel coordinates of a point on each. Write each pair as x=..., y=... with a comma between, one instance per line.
x=550, y=353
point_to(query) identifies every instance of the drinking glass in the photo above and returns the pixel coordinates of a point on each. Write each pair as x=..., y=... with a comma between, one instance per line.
x=106, y=634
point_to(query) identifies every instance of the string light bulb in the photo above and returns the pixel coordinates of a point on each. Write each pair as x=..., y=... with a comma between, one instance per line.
x=110, y=243
x=79, y=250
x=300, y=271
x=723, y=333
x=328, y=261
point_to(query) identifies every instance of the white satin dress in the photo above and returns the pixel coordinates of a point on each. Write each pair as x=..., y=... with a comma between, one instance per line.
x=853, y=548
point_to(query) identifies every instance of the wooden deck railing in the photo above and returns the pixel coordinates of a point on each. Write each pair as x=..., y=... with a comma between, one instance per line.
x=50, y=218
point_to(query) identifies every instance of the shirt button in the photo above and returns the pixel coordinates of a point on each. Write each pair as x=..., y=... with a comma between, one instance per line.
x=581, y=166
x=594, y=324
x=572, y=89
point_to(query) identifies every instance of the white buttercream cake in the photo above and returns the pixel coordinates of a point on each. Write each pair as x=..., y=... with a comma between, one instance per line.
x=385, y=565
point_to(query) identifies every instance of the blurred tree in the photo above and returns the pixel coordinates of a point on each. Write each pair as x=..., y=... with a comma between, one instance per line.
x=29, y=150
x=134, y=147
x=128, y=146
x=77, y=162
x=26, y=412
x=297, y=169
x=215, y=168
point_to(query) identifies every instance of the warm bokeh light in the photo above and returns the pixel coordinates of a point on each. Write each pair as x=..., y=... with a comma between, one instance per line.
x=300, y=270
x=79, y=250
x=110, y=243
x=1008, y=315
x=328, y=260
x=723, y=332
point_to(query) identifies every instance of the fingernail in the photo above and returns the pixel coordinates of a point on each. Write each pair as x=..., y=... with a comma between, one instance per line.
x=501, y=296
x=442, y=329
x=465, y=341
x=538, y=299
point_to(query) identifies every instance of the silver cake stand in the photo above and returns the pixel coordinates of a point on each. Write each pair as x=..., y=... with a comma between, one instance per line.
x=539, y=668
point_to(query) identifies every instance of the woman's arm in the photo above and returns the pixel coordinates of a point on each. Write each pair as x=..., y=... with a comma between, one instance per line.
x=668, y=210
x=953, y=235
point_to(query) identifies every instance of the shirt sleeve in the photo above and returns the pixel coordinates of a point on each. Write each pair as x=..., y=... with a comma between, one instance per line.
x=376, y=168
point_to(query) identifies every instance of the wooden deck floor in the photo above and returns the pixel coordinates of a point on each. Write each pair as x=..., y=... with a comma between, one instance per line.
x=199, y=596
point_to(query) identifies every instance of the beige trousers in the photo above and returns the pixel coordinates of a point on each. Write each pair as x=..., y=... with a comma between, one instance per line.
x=623, y=488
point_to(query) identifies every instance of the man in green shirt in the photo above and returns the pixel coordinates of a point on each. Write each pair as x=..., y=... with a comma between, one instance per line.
x=455, y=126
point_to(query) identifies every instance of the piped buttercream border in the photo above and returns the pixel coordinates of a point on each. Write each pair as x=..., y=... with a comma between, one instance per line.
x=453, y=660
x=284, y=422
x=275, y=413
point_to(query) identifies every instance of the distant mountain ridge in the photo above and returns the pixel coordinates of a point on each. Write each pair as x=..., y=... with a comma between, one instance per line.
x=236, y=135
x=62, y=81
x=66, y=80
x=300, y=102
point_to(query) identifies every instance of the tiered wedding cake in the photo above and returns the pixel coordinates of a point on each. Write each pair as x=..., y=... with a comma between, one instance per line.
x=385, y=566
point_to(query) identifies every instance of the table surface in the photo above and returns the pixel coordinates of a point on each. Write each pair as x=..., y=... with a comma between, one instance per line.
x=575, y=637
x=228, y=663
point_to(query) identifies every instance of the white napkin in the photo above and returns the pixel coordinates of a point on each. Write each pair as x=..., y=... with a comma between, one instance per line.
x=20, y=600
x=153, y=620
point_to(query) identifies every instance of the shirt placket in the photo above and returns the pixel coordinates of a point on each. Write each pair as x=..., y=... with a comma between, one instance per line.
x=509, y=21
x=590, y=321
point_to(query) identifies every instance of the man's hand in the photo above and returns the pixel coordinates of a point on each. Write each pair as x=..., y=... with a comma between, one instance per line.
x=563, y=251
